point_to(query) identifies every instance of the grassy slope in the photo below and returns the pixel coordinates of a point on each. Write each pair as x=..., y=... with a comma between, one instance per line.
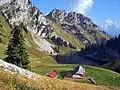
x=113, y=65
x=102, y=76
x=4, y=34
x=98, y=34
x=67, y=36
x=4, y=30
x=2, y=51
x=101, y=34
x=10, y=81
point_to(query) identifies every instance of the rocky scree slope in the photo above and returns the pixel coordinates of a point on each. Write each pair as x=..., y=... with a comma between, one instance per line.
x=72, y=30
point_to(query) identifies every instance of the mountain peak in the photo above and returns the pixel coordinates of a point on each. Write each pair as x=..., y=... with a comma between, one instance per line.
x=18, y=11
x=55, y=26
x=19, y=2
x=72, y=18
x=57, y=14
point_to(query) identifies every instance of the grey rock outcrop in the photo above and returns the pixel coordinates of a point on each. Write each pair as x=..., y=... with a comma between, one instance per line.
x=15, y=69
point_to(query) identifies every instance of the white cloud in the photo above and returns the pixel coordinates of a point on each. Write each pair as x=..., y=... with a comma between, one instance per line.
x=110, y=23
x=82, y=6
x=110, y=26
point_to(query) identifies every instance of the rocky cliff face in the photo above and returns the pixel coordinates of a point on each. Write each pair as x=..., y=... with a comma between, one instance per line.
x=23, y=12
x=82, y=27
x=63, y=29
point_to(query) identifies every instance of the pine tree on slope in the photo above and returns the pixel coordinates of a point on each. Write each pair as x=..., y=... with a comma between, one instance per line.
x=16, y=51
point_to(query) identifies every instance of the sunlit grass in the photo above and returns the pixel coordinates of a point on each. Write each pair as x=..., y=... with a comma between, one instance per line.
x=10, y=81
x=102, y=76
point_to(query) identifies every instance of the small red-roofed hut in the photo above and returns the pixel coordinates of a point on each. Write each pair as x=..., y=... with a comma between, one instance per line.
x=52, y=75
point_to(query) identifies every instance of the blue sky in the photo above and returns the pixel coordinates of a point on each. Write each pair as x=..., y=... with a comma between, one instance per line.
x=105, y=13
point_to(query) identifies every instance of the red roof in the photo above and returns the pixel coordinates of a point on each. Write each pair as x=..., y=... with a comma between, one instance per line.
x=52, y=74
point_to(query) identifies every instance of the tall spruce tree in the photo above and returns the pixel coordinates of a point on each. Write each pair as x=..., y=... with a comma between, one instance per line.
x=16, y=51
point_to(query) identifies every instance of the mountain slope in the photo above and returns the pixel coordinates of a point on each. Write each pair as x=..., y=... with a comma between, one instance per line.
x=70, y=31
x=80, y=26
x=32, y=47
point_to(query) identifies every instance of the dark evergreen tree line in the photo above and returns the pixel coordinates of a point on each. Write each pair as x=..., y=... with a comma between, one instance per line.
x=113, y=44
